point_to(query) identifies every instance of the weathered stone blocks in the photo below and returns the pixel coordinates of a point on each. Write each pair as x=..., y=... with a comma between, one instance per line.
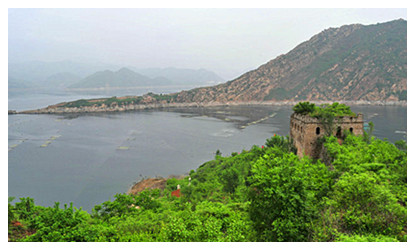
x=305, y=131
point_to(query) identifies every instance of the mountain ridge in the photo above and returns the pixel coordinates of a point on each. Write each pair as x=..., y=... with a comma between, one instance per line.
x=346, y=63
x=123, y=77
x=62, y=74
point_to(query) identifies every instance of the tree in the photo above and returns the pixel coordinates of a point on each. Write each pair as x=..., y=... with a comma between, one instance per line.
x=284, y=195
x=304, y=108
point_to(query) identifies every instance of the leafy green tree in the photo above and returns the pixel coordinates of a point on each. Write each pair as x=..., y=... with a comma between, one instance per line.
x=304, y=108
x=230, y=180
x=56, y=224
x=367, y=135
x=284, y=143
x=284, y=195
x=401, y=145
x=362, y=204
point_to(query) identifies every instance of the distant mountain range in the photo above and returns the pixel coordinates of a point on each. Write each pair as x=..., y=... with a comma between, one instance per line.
x=51, y=74
x=72, y=75
x=62, y=80
x=123, y=78
x=127, y=78
x=182, y=76
x=353, y=62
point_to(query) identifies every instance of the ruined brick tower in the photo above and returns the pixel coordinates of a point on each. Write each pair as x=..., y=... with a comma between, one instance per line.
x=305, y=130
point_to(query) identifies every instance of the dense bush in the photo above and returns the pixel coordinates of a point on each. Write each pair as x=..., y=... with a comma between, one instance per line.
x=335, y=109
x=285, y=194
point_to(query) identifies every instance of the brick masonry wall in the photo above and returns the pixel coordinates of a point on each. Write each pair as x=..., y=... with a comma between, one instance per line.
x=305, y=131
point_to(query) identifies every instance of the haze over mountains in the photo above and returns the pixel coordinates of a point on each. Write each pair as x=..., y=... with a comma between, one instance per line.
x=123, y=78
x=73, y=75
x=182, y=76
x=47, y=74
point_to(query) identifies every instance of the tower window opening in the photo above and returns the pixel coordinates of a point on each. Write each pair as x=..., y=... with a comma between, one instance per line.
x=317, y=130
x=339, y=132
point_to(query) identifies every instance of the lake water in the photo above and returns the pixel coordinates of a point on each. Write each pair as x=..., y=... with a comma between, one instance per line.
x=87, y=159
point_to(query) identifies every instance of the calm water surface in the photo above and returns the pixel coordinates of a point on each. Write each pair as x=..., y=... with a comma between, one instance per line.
x=86, y=159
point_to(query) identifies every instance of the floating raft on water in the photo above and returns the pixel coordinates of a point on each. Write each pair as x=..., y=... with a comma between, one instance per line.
x=400, y=132
x=260, y=120
x=52, y=138
x=44, y=145
x=13, y=146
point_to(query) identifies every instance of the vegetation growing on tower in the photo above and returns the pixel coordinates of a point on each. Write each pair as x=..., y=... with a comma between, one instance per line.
x=335, y=109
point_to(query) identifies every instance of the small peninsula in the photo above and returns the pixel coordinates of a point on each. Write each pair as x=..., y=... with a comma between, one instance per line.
x=158, y=101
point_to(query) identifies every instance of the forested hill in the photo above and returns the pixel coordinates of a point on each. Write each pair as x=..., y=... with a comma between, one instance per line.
x=353, y=62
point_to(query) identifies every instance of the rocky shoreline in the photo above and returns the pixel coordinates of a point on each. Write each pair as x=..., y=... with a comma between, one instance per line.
x=58, y=109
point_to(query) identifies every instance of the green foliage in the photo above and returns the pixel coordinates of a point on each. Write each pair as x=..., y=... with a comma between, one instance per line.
x=279, y=94
x=284, y=143
x=51, y=224
x=261, y=194
x=218, y=154
x=106, y=101
x=334, y=109
x=402, y=95
x=230, y=180
x=11, y=212
x=285, y=194
x=79, y=103
x=401, y=145
x=362, y=203
x=26, y=208
x=365, y=238
x=326, y=113
x=367, y=135
x=124, y=203
x=304, y=108
x=119, y=101
x=369, y=196
x=325, y=110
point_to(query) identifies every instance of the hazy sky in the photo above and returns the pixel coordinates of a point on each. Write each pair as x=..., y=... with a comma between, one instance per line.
x=226, y=41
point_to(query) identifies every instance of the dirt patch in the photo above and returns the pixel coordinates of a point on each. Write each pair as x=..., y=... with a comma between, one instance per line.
x=151, y=183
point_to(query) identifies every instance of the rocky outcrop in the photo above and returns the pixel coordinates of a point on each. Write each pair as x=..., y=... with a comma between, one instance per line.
x=151, y=183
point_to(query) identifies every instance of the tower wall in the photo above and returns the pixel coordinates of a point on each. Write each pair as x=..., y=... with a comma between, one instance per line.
x=305, y=131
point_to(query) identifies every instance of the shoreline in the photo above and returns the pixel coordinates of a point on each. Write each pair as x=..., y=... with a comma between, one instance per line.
x=56, y=109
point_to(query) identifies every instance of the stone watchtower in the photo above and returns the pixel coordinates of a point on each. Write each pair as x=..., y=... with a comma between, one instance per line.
x=305, y=130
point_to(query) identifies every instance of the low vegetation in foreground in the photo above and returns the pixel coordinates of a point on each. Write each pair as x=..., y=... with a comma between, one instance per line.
x=264, y=194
